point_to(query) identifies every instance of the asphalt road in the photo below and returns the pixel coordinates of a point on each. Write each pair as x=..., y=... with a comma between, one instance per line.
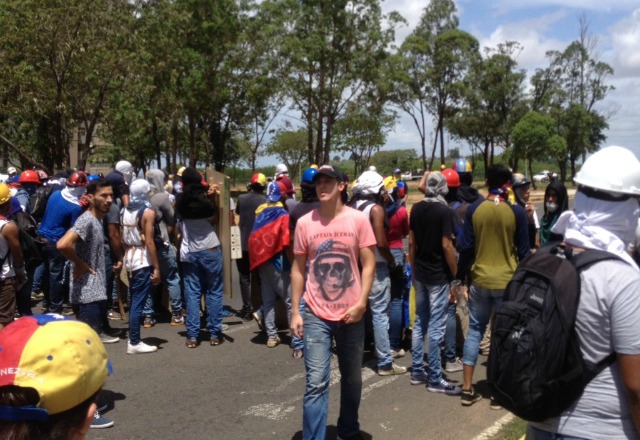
x=244, y=390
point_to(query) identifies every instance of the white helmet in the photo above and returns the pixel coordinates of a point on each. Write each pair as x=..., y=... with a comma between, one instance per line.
x=369, y=182
x=612, y=169
x=281, y=169
x=373, y=168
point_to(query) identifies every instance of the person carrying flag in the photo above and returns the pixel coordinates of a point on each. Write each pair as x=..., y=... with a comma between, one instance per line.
x=268, y=243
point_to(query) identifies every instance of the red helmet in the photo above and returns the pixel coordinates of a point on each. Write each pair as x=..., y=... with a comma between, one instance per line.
x=453, y=178
x=77, y=179
x=29, y=176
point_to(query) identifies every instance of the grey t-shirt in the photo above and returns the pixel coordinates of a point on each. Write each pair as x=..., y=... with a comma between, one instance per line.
x=89, y=248
x=165, y=215
x=608, y=320
x=198, y=235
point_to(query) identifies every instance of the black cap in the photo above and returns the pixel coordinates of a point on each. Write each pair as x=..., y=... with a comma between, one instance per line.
x=329, y=171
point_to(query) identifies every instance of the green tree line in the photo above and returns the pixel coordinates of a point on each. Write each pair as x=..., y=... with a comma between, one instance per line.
x=186, y=82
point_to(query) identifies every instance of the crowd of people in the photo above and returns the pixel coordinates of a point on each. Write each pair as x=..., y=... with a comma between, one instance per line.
x=342, y=259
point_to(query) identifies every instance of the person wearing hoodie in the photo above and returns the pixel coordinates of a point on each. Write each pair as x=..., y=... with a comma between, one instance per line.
x=139, y=234
x=556, y=201
x=201, y=256
x=165, y=219
x=63, y=208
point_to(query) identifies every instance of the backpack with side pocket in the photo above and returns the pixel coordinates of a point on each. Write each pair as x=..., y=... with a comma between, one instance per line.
x=535, y=368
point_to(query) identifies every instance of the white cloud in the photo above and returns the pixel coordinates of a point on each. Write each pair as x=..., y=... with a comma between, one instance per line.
x=625, y=44
x=584, y=5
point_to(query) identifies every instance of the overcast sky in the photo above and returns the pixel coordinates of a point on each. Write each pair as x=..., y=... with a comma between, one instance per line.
x=543, y=25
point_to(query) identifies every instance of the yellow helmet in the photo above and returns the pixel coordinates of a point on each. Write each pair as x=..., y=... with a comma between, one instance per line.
x=390, y=183
x=5, y=193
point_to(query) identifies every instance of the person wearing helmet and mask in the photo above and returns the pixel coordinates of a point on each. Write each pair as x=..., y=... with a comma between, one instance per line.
x=604, y=218
x=522, y=191
x=246, y=209
x=368, y=197
x=63, y=209
x=556, y=201
x=120, y=179
x=29, y=182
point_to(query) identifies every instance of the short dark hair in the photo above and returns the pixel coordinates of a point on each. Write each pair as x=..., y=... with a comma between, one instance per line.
x=57, y=427
x=97, y=184
x=497, y=176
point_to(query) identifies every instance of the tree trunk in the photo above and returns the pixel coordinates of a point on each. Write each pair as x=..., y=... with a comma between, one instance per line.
x=192, y=141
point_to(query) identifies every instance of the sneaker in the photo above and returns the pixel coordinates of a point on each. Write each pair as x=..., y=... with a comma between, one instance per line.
x=100, y=422
x=297, y=353
x=453, y=367
x=397, y=353
x=392, y=370
x=112, y=314
x=140, y=348
x=419, y=379
x=149, y=322
x=106, y=339
x=257, y=317
x=494, y=405
x=68, y=312
x=469, y=397
x=37, y=296
x=273, y=342
x=224, y=327
x=177, y=319
x=246, y=314
x=226, y=313
x=444, y=387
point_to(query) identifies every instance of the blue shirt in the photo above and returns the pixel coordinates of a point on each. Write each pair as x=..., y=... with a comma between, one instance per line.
x=58, y=218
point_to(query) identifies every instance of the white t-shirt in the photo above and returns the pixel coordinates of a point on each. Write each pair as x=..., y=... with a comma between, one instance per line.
x=608, y=320
x=7, y=267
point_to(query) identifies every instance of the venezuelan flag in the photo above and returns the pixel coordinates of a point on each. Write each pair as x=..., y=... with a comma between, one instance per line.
x=270, y=233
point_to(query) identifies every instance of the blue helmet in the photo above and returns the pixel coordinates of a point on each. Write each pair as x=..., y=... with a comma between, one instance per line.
x=308, y=175
x=462, y=166
x=92, y=177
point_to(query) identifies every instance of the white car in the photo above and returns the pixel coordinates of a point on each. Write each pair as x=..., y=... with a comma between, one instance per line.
x=543, y=176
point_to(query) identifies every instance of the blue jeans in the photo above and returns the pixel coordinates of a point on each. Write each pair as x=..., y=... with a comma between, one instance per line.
x=451, y=333
x=92, y=314
x=431, y=306
x=398, y=294
x=53, y=277
x=481, y=302
x=318, y=339
x=538, y=434
x=274, y=284
x=203, y=272
x=139, y=290
x=379, y=301
x=37, y=278
x=170, y=275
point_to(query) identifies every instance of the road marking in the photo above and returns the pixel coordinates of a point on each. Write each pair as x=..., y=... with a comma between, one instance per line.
x=491, y=431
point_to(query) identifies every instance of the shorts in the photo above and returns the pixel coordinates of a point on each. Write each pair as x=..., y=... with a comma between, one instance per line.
x=7, y=300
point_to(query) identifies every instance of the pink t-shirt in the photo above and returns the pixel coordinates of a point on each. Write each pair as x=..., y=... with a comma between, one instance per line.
x=332, y=247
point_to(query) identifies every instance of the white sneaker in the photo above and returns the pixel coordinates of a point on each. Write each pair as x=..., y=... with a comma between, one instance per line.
x=452, y=367
x=140, y=348
x=392, y=370
x=397, y=354
x=106, y=339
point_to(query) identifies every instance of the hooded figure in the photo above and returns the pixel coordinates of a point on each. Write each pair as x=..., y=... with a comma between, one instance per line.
x=161, y=202
x=556, y=201
x=194, y=203
x=436, y=188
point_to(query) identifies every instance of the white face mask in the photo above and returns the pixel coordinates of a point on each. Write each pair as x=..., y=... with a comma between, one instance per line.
x=552, y=207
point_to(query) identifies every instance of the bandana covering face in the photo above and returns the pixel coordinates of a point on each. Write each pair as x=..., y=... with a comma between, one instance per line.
x=73, y=194
x=600, y=224
x=139, y=193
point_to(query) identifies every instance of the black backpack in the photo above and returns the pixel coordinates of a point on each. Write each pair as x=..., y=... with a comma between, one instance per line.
x=30, y=242
x=535, y=366
x=38, y=201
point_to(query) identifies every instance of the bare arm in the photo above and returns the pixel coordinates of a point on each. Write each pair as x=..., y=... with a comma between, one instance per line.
x=377, y=222
x=629, y=367
x=116, y=244
x=368, y=262
x=148, y=220
x=10, y=233
x=422, y=186
x=450, y=254
x=412, y=250
x=297, y=287
x=66, y=246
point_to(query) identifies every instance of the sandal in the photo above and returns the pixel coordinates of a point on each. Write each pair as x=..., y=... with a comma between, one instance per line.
x=215, y=341
x=191, y=343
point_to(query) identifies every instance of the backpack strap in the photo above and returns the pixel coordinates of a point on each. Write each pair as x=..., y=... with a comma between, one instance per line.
x=5, y=221
x=581, y=260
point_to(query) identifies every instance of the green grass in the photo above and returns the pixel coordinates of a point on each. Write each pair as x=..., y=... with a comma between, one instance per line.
x=513, y=430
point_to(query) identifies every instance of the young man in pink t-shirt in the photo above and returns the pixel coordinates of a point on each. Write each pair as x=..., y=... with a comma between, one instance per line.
x=330, y=241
